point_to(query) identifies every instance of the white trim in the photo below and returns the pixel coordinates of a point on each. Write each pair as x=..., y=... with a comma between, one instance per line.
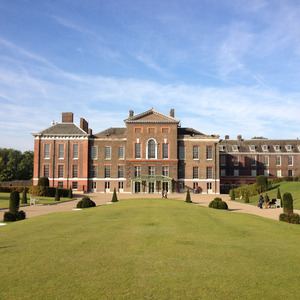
x=198, y=180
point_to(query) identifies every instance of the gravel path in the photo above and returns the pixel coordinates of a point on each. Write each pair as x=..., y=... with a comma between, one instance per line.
x=198, y=199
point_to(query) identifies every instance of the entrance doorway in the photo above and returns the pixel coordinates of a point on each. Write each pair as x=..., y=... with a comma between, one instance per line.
x=181, y=187
x=209, y=188
x=94, y=187
x=165, y=186
x=151, y=187
x=137, y=187
x=107, y=186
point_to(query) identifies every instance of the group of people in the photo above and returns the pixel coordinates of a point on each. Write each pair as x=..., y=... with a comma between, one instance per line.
x=164, y=194
x=267, y=201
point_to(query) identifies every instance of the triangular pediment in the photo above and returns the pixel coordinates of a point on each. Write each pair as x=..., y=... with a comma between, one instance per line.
x=151, y=116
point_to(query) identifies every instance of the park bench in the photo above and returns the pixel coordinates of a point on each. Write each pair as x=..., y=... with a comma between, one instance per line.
x=34, y=200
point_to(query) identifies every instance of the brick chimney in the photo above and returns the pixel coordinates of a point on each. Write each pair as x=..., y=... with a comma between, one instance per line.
x=239, y=137
x=67, y=117
x=131, y=113
x=172, y=113
x=226, y=137
x=90, y=131
x=84, y=125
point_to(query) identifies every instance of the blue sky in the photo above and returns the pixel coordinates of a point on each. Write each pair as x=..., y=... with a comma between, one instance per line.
x=226, y=67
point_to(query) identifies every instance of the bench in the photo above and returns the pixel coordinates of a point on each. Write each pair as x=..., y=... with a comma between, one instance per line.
x=34, y=200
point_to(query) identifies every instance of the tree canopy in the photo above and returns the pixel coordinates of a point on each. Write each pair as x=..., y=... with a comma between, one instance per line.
x=15, y=165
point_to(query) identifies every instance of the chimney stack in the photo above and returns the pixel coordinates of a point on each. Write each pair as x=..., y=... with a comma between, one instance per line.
x=84, y=125
x=67, y=117
x=239, y=137
x=131, y=113
x=172, y=113
x=90, y=131
x=226, y=137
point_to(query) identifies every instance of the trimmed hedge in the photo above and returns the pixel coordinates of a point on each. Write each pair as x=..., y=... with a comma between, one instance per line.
x=85, y=202
x=290, y=218
x=11, y=217
x=43, y=181
x=287, y=202
x=48, y=191
x=14, y=202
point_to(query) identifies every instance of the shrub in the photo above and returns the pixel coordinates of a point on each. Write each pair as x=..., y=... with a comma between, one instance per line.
x=246, y=198
x=290, y=218
x=279, y=196
x=287, y=202
x=21, y=215
x=14, y=202
x=9, y=217
x=57, y=196
x=85, y=202
x=262, y=182
x=232, y=194
x=114, y=198
x=24, y=197
x=70, y=193
x=218, y=203
x=188, y=197
x=43, y=181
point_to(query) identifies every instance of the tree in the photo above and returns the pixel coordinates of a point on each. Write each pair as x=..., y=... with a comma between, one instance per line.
x=287, y=202
x=14, y=202
x=70, y=195
x=188, y=197
x=114, y=198
x=279, y=196
x=246, y=200
x=232, y=194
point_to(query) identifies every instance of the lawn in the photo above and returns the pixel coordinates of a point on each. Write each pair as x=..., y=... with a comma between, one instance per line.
x=284, y=186
x=149, y=249
x=4, y=200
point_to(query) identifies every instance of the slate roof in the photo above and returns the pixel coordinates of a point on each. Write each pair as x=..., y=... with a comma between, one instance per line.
x=261, y=146
x=62, y=129
x=112, y=131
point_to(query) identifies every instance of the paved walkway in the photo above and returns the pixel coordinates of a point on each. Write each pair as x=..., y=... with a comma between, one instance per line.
x=198, y=199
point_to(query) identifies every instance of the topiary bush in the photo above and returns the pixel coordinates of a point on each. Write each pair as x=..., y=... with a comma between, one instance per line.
x=70, y=193
x=43, y=181
x=287, y=202
x=279, y=197
x=218, y=203
x=14, y=202
x=21, y=215
x=290, y=218
x=232, y=194
x=57, y=195
x=9, y=217
x=85, y=202
x=188, y=197
x=114, y=198
x=24, y=197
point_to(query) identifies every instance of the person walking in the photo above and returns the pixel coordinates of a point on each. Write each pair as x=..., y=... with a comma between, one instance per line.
x=267, y=200
x=260, y=201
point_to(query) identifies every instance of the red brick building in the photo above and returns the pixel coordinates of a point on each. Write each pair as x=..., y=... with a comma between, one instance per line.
x=151, y=154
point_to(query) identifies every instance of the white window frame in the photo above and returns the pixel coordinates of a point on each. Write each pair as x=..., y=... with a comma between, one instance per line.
x=75, y=151
x=137, y=150
x=265, y=148
x=209, y=173
x=151, y=151
x=107, y=171
x=166, y=171
x=290, y=161
x=61, y=151
x=121, y=152
x=209, y=152
x=75, y=171
x=181, y=154
x=195, y=172
x=252, y=148
x=278, y=161
x=235, y=148
x=165, y=150
x=253, y=173
x=253, y=161
x=266, y=160
x=196, y=152
x=94, y=152
x=137, y=171
x=107, y=152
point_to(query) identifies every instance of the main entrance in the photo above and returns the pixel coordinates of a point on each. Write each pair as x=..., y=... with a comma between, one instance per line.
x=151, y=184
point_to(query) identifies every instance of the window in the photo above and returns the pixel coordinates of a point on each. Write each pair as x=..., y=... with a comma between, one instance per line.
x=61, y=151
x=252, y=148
x=278, y=160
x=121, y=152
x=290, y=161
x=60, y=184
x=94, y=171
x=74, y=185
x=291, y=173
x=222, y=148
x=47, y=151
x=209, y=172
x=223, y=172
x=235, y=160
x=236, y=173
x=209, y=152
x=46, y=171
x=165, y=171
x=253, y=173
x=277, y=148
x=195, y=172
x=151, y=170
x=107, y=152
x=75, y=151
x=137, y=171
x=107, y=171
x=195, y=152
x=235, y=148
x=151, y=149
x=181, y=153
x=181, y=172
x=265, y=147
x=137, y=150
x=120, y=171
x=266, y=160
x=253, y=161
x=60, y=171
x=223, y=160
x=165, y=150
x=278, y=173
x=75, y=171
x=267, y=173
x=289, y=147
x=94, y=152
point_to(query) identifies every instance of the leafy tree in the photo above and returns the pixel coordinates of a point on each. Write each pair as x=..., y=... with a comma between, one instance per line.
x=232, y=194
x=287, y=202
x=262, y=182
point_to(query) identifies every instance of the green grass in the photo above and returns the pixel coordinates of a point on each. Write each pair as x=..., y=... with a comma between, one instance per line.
x=4, y=200
x=285, y=186
x=149, y=249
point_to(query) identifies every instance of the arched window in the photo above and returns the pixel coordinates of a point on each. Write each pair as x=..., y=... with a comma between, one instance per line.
x=151, y=149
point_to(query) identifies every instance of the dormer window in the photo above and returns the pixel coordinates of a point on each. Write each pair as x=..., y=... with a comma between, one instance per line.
x=289, y=147
x=277, y=148
x=221, y=148
x=265, y=147
x=235, y=148
x=252, y=148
